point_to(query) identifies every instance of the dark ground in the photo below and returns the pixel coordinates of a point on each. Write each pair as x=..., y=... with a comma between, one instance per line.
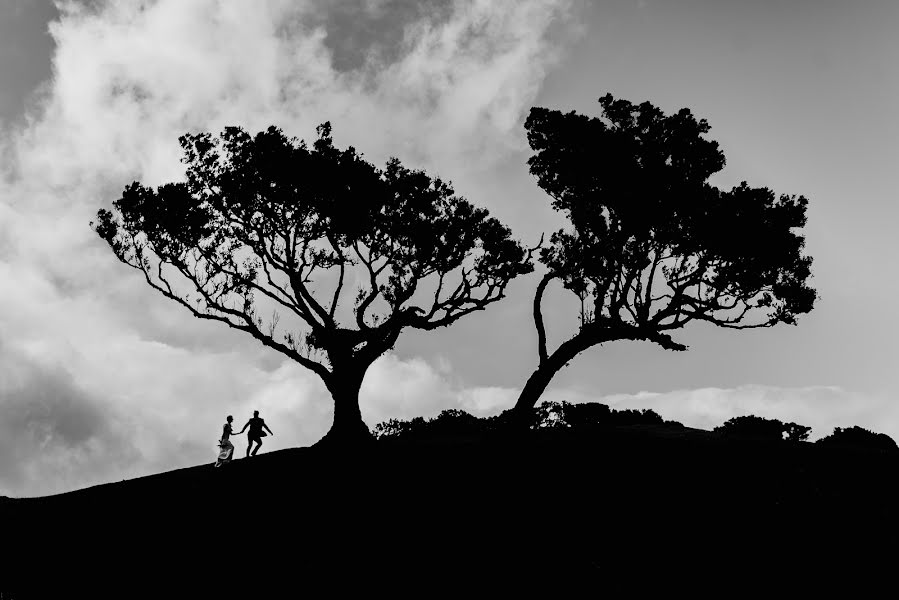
x=624, y=512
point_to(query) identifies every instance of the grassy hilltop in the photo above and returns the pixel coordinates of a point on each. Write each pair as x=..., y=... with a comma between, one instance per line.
x=640, y=507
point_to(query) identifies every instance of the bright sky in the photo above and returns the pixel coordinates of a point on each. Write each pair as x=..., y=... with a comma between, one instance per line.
x=101, y=379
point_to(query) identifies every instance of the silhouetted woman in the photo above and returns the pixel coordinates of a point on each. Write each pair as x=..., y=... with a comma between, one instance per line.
x=225, y=444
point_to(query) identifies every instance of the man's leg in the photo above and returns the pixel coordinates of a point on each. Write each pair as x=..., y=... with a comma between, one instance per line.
x=258, y=446
x=249, y=445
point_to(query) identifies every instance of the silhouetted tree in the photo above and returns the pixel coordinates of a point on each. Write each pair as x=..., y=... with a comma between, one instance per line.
x=652, y=245
x=265, y=225
x=859, y=437
x=762, y=428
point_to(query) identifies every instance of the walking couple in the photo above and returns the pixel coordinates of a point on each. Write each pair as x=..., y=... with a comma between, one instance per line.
x=256, y=433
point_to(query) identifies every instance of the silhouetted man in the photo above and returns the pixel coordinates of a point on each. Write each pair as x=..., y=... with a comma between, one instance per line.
x=256, y=434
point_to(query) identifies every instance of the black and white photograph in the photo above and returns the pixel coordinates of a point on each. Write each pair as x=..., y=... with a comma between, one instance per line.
x=573, y=298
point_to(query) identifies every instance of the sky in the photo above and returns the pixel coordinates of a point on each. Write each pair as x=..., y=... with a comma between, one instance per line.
x=102, y=379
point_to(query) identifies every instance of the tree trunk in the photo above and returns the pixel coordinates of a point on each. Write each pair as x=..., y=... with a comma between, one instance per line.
x=348, y=429
x=523, y=413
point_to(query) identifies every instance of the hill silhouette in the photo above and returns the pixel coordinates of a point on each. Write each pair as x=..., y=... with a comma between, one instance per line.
x=641, y=507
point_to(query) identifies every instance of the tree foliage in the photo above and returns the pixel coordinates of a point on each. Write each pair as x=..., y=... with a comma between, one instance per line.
x=580, y=415
x=313, y=251
x=750, y=426
x=859, y=437
x=652, y=245
x=450, y=423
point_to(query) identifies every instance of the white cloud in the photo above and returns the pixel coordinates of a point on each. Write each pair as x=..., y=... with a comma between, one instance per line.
x=133, y=76
x=54, y=435
x=487, y=400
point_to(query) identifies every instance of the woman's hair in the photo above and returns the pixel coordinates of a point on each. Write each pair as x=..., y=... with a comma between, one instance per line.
x=230, y=418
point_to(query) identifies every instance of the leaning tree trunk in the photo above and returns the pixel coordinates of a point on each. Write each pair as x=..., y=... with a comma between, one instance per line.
x=523, y=413
x=348, y=429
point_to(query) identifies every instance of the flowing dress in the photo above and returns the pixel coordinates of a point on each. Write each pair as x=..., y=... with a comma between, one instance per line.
x=227, y=448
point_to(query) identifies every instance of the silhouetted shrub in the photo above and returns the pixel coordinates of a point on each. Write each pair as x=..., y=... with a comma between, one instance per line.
x=751, y=426
x=396, y=428
x=448, y=423
x=454, y=422
x=631, y=416
x=860, y=438
x=500, y=422
x=547, y=415
x=551, y=415
x=588, y=414
x=592, y=414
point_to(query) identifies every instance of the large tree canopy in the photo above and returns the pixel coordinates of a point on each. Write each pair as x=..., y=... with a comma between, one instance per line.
x=315, y=252
x=652, y=245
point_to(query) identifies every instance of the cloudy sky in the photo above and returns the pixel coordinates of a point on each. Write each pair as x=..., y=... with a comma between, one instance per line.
x=102, y=379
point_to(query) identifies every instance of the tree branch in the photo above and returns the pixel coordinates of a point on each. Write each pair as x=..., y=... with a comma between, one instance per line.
x=250, y=328
x=337, y=291
x=644, y=313
x=294, y=276
x=373, y=283
x=538, y=316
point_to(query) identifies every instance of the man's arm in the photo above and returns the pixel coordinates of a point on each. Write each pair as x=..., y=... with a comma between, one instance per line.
x=267, y=427
x=244, y=428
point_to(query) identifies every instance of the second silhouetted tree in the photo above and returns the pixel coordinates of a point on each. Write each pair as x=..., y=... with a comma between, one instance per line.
x=652, y=246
